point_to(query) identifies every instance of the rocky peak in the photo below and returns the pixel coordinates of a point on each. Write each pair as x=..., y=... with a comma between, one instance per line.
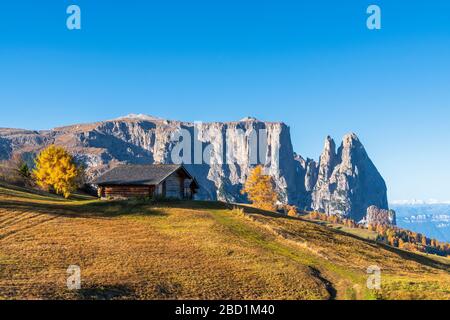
x=350, y=139
x=249, y=119
x=350, y=146
x=329, y=146
x=327, y=159
x=309, y=169
x=140, y=116
x=348, y=182
x=377, y=216
x=350, y=149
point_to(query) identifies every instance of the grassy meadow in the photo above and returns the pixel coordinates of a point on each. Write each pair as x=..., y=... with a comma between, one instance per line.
x=194, y=250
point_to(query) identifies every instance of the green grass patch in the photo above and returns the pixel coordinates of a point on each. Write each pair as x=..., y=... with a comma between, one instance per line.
x=243, y=230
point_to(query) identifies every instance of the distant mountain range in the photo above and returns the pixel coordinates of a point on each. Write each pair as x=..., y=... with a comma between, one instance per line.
x=430, y=219
x=344, y=181
x=418, y=202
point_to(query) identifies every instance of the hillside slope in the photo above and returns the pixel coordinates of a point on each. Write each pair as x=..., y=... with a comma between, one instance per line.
x=193, y=250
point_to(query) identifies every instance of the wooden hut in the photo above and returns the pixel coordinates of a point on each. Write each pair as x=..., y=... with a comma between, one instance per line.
x=153, y=181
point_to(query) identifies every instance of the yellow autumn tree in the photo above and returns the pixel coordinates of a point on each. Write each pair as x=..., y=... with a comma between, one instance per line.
x=291, y=211
x=56, y=171
x=260, y=190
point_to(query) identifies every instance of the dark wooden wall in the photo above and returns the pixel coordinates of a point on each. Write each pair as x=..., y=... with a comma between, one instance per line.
x=127, y=191
x=175, y=186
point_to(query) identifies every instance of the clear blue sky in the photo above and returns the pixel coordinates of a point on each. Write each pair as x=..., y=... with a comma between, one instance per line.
x=311, y=64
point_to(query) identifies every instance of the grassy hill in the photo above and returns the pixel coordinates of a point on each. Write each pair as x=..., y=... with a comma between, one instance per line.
x=194, y=250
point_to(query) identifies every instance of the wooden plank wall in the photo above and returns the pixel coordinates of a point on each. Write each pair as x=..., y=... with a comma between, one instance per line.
x=128, y=191
x=174, y=185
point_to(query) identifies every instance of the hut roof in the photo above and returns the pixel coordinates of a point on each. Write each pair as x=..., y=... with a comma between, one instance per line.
x=152, y=174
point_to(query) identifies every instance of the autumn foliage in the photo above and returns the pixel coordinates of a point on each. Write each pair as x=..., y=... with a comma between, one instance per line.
x=410, y=240
x=350, y=223
x=391, y=235
x=291, y=211
x=260, y=190
x=56, y=171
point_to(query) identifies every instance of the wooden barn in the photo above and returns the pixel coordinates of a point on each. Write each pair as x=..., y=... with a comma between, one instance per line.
x=154, y=181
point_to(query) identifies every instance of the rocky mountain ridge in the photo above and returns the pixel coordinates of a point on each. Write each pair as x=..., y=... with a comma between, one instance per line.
x=343, y=182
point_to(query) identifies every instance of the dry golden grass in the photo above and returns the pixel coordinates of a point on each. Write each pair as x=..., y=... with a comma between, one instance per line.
x=192, y=250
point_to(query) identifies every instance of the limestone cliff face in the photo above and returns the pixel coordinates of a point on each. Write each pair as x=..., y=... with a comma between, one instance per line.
x=221, y=155
x=344, y=182
x=307, y=173
x=348, y=182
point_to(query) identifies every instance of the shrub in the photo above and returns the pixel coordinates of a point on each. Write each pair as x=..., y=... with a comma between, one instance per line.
x=239, y=211
x=291, y=211
x=15, y=171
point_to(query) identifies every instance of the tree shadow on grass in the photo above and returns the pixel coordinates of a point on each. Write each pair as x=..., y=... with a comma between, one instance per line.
x=106, y=209
x=119, y=292
x=191, y=204
x=167, y=290
x=416, y=257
